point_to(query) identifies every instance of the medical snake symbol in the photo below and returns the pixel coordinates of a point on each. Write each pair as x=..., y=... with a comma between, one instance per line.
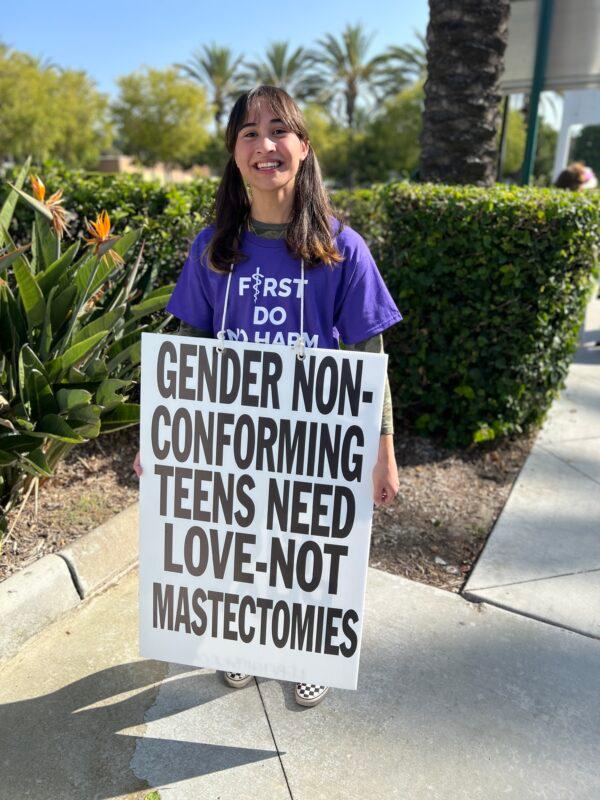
x=257, y=282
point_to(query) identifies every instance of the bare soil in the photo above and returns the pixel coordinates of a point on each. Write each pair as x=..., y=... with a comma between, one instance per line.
x=433, y=532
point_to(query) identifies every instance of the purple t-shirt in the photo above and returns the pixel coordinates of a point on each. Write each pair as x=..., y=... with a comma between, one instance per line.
x=349, y=301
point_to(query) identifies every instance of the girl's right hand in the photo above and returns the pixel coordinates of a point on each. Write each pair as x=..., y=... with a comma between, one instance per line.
x=137, y=467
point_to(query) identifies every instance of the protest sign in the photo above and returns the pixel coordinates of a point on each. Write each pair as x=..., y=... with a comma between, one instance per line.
x=256, y=501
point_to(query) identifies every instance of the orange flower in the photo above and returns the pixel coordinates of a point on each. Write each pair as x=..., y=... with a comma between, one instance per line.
x=53, y=204
x=39, y=190
x=100, y=233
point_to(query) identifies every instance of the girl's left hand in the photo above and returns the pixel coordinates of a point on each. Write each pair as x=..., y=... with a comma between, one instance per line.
x=385, y=474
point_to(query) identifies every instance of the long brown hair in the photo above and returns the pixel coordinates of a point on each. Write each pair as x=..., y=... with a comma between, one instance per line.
x=308, y=234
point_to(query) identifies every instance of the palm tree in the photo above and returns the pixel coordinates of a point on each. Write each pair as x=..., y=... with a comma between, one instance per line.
x=216, y=68
x=289, y=72
x=349, y=72
x=466, y=40
x=410, y=61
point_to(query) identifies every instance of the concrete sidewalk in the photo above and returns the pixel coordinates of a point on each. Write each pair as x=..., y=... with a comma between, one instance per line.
x=456, y=700
x=542, y=558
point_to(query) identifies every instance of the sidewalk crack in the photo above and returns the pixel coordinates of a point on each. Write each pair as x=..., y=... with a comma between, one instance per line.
x=533, y=580
x=287, y=783
x=568, y=463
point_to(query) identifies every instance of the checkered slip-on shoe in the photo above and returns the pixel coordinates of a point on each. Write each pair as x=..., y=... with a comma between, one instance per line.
x=237, y=680
x=309, y=694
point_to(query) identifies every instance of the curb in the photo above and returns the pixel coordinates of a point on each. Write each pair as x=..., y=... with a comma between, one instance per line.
x=57, y=583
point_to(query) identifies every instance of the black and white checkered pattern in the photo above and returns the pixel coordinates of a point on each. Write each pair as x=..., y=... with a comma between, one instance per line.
x=310, y=691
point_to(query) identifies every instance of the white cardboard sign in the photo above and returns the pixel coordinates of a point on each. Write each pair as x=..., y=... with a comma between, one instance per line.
x=256, y=502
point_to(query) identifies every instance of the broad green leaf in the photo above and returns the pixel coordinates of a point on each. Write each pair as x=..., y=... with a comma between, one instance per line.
x=6, y=459
x=96, y=369
x=128, y=288
x=55, y=427
x=10, y=203
x=90, y=430
x=122, y=344
x=40, y=394
x=150, y=306
x=166, y=289
x=50, y=277
x=75, y=375
x=18, y=323
x=133, y=353
x=18, y=443
x=69, y=399
x=31, y=360
x=126, y=241
x=35, y=204
x=23, y=389
x=121, y=417
x=47, y=243
x=104, y=323
x=35, y=463
x=86, y=273
x=107, y=393
x=62, y=307
x=7, y=259
x=78, y=351
x=9, y=240
x=30, y=294
x=46, y=332
x=88, y=413
x=106, y=267
x=54, y=369
x=86, y=421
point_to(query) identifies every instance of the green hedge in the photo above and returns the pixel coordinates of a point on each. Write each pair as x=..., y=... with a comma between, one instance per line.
x=492, y=285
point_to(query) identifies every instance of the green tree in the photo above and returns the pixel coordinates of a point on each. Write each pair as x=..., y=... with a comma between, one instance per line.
x=290, y=70
x=161, y=116
x=349, y=73
x=49, y=112
x=543, y=166
x=390, y=146
x=333, y=144
x=218, y=70
x=84, y=127
x=213, y=153
x=515, y=150
x=515, y=144
x=407, y=63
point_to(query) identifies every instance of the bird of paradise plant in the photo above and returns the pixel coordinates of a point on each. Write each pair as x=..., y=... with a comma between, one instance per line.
x=53, y=204
x=100, y=235
x=70, y=340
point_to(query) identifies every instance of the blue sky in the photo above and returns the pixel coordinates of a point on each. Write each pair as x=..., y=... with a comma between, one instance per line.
x=111, y=38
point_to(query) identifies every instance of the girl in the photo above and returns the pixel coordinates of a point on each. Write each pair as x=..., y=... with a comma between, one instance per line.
x=277, y=266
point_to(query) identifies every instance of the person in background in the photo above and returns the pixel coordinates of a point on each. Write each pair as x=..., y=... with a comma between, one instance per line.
x=577, y=177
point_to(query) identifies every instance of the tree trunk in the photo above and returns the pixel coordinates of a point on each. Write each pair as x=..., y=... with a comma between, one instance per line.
x=466, y=40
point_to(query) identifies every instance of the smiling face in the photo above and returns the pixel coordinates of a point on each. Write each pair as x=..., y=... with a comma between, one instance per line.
x=268, y=152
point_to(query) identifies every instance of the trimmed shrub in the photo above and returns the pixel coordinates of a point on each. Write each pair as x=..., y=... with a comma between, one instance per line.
x=493, y=285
